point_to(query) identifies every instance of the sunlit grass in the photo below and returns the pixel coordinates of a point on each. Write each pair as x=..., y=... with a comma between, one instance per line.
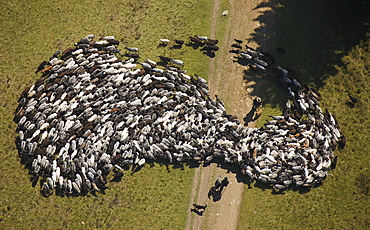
x=30, y=32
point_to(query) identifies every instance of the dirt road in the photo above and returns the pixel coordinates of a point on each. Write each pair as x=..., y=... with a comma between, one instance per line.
x=226, y=80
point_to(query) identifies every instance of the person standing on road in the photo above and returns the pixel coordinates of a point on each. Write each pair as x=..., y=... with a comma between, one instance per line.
x=224, y=183
x=217, y=183
x=257, y=102
x=215, y=188
x=257, y=106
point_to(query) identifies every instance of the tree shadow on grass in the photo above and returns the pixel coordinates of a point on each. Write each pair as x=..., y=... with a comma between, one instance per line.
x=315, y=35
x=267, y=87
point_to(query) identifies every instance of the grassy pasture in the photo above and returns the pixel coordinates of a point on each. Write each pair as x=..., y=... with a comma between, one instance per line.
x=321, y=46
x=30, y=32
x=156, y=197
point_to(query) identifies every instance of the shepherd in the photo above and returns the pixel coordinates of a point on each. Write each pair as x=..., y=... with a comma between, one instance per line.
x=257, y=103
x=218, y=184
x=224, y=183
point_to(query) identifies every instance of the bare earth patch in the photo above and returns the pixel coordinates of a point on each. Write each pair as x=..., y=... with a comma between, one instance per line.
x=226, y=80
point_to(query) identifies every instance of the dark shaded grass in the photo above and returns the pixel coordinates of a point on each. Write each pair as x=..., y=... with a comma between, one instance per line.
x=343, y=199
x=315, y=35
x=321, y=45
x=30, y=32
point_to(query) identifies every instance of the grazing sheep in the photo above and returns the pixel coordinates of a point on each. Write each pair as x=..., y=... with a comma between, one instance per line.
x=132, y=49
x=164, y=41
x=92, y=113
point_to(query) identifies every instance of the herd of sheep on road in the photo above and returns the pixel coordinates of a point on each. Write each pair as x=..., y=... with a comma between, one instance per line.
x=92, y=113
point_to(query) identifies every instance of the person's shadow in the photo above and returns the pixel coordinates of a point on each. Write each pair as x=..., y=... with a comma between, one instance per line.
x=249, y=117
x=199, y=213
x=215, y=194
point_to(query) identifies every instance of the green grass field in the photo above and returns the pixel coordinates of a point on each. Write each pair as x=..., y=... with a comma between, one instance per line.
x=320, y=45
x=30, y=32
x=157, y=197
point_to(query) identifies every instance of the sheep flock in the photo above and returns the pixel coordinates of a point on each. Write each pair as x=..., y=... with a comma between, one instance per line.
x=92, y=114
